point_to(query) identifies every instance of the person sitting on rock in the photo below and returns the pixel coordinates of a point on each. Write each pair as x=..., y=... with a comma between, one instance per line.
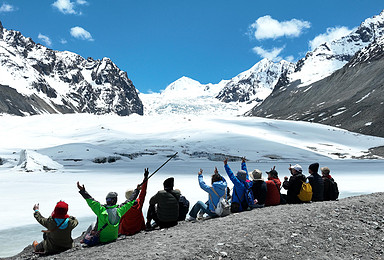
x=273, y=188
x=215, y=192
x=133, y=222
x=316, y=182
x=60, y=225
x=293, y=185
x=331, y=191
x=183, y=206
x=108, y=215
x=259, y=188
x=164, y=207
x=241, y=190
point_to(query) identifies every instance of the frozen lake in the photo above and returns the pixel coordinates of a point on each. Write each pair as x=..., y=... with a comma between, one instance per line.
x=23, y=190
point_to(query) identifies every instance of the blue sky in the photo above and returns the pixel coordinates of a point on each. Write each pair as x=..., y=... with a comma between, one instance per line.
x=157, y=42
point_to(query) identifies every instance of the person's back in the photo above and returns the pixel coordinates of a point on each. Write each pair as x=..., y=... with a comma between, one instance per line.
x=259, y=188
x=331, y=191
x=108, y=215
x=316, y=182
x=59, y=228
x=183, y=208
x=293, y=185
x=132, y=221
x=273, y=191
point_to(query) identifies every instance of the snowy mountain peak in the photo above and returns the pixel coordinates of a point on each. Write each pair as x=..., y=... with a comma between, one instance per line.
x=35, y=80
x=183, y=84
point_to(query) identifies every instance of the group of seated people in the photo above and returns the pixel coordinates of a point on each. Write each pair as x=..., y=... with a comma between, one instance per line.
x=168, y=206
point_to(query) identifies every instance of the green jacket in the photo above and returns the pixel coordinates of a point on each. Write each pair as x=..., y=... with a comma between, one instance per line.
x=110, y=232
x=59, y=239
x=167, y=205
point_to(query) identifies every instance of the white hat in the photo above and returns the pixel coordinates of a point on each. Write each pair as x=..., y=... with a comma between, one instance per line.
x=297, y=167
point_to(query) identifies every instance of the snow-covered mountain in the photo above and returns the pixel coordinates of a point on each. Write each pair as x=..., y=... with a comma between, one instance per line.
x=256, y=83
x=230, y=97
x=331, y=56
x=35, y=80
x=351, y=98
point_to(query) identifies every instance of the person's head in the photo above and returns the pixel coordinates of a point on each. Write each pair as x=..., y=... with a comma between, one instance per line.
x=168, y=183
x=296, y=169
x=272, y=174
x=216, y=177
x=256, y=175
x=313, y=168
x=128, y=194
x=60, y=210
x=241, y=175
x=325, y=171
x=111, y=198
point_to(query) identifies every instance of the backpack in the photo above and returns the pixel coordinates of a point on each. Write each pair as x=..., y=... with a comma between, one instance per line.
x=305, y=194
x=222, y=208
x=334, y=190
x=183, y=208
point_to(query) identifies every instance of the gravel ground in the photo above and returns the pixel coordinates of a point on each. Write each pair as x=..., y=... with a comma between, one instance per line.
x=351, y=228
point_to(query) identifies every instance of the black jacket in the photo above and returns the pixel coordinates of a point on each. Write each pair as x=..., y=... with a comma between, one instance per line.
x=259, y=190
x=293, y=186
x=317, y=184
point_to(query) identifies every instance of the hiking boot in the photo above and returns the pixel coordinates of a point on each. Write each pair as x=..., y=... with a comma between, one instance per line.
x=200, y=215
x=191, y=219
x=34, y=245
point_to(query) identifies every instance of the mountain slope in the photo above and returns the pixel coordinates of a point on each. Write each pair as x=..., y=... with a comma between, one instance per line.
x=351, y=98
x=35, y=80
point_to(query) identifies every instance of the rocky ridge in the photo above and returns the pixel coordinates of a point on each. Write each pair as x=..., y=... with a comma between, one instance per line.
x=35, y=79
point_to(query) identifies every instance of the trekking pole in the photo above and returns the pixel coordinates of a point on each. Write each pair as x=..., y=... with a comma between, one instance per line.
x=159, y=168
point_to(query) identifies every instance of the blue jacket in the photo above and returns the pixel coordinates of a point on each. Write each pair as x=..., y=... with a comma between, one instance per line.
x=220, y=188
x=240, y=188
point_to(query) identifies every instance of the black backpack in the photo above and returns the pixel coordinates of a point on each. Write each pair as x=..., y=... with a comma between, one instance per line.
x=334, y=190
x=183, y=208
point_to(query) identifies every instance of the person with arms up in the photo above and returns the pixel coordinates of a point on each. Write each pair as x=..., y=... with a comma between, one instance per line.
x=241, y=194
x=215, y=192
x=60, y=225
x=108, y=215
x=133, y=222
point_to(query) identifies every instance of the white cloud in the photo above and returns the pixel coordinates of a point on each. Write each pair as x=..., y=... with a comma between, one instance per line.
x=45, y=39
x=81, y=2
x=4, y=8
x=268, y=28
x=80, y=33
x=290, y=58
x=63, y=41
x=65, y=6
x=329, y=36
x=269, y=54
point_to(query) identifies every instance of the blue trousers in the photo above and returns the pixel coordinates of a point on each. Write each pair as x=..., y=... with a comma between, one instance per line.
x=201, y=206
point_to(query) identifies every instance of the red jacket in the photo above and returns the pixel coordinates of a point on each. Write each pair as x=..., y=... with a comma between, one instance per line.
x=273, y=193
x=132, y=222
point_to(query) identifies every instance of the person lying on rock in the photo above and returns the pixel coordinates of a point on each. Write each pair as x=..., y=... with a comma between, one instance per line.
x=242, y=197
x=133, y=222
x=108, y=215
x=164, y=207
x=57, y=237
x=215, y=192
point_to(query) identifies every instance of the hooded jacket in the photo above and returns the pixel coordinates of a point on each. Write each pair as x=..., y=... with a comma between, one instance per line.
x=273, y=192
x=240, y=187
x=132, y=222
x=59, y=239
x=317, y=184
x=293, y=187
x=219, y=186
x=110, y=232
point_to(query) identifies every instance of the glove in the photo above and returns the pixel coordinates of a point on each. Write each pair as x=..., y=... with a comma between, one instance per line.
x=146, y=173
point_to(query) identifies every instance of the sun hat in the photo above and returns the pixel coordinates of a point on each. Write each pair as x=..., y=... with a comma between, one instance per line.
x=256, y=175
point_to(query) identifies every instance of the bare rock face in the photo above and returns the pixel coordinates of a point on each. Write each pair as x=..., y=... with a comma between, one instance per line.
x=351, y=97
x=35, y=80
